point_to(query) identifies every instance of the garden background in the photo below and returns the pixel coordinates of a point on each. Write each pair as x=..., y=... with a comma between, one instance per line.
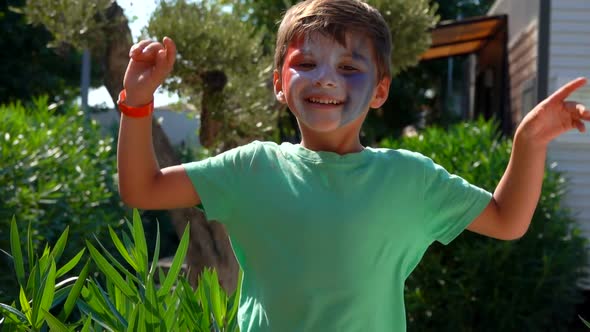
x=57, y=170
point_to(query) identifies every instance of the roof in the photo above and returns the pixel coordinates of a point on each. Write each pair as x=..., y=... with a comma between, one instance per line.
x=451, y=38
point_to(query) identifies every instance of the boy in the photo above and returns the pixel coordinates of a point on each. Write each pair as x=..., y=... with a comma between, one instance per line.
x=327, y=230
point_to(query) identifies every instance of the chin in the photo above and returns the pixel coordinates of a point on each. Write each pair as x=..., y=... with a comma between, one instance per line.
x=322, y=125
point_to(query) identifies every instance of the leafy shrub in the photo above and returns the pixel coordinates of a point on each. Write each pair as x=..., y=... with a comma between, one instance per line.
x=122, y=300
x=55, y=170
x=483, y=284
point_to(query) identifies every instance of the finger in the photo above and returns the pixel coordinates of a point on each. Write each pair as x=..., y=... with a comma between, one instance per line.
x=148, y=54
x=577, y=110
x=137, y=48
x=580, y=125
x=564, y=92
x=170, y=50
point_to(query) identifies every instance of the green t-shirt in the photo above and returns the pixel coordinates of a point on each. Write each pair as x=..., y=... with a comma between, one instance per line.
x=326, y=241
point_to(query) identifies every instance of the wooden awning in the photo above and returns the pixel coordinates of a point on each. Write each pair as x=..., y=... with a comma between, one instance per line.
x=452, y=38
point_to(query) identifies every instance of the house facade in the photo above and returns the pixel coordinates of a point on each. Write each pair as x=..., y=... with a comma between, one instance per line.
x=549, y=45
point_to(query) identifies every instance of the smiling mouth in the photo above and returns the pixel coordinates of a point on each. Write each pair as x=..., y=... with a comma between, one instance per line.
x=322, y=101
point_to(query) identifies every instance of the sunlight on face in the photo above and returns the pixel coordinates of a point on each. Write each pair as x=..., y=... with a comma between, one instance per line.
x=328, y=85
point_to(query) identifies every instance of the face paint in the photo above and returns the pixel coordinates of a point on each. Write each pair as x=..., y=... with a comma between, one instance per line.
x=326, y=84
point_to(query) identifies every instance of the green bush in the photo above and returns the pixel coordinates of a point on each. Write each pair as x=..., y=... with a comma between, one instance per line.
x=142, y=298
x=483, y=284
x=55, y=171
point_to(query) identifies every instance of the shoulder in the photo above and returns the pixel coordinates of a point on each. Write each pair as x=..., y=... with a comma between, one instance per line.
x=401, y=157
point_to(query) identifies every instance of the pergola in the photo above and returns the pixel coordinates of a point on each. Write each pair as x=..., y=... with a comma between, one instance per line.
x=486, y=38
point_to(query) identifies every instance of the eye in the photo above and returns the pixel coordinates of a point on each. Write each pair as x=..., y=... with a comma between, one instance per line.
x=306, y=65
x=348, y=68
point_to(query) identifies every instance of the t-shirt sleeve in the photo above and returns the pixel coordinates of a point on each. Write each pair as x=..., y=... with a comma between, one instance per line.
x=450, y=203
x=217, y=180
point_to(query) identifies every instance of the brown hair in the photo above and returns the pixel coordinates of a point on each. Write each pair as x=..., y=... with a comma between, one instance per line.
x=334, y=18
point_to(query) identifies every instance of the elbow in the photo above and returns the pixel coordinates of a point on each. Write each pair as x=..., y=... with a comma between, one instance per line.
x=515, y=234
x=131, y=199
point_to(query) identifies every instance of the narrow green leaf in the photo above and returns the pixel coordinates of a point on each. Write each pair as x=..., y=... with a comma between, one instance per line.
x=75, y=292
x=30, y=251
x=17, y=254
x=33, y=281
x=176, y=263
x=115, y=313
x=60, y=245
x=152, y=312
x=47, y=293
x=87, y=310
x=24, y=304
x=141, y=326
x=71, y=264
x=91, y=294
x=156, y=252
x=109, y=271
x=215, y=295
x=61, y=294
x=54, y=323
x=140, y=242
x=133, y=318
x=161, y=276
x=122, y=250
x=113, y=261
x=235, y=299
x=188, y=302
x=171, y=315
x=13, y=314
x=87, y=323
x=584, y=321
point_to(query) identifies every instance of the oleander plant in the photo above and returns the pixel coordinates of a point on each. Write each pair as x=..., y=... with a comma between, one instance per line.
x=130, y=292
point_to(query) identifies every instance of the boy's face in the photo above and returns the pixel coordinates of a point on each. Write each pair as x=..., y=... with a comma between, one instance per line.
x=327, y=85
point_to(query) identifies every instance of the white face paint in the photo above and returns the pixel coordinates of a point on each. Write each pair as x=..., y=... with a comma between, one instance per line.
x=326, y=84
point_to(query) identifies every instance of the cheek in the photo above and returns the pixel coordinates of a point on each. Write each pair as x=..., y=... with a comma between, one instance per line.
x=286, y=77
x=359, y=86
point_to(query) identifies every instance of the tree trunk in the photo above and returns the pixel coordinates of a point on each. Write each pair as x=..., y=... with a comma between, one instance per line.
x=213, y=83
x=209, y=242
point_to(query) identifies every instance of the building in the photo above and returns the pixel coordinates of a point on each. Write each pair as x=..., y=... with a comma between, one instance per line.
x=549, y=45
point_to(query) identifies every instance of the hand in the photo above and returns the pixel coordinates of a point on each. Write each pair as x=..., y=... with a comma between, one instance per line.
x=554, y=116
x=150, y=62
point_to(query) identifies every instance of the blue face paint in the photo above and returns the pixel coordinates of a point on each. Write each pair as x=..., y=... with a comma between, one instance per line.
x=328, y=85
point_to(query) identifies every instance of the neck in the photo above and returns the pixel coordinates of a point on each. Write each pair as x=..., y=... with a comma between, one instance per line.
x=342, y=141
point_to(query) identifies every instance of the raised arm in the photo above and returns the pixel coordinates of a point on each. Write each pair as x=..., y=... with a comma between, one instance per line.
x=509, y=213
x=141, y=182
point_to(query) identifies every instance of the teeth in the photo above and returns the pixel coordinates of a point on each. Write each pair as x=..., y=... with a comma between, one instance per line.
x=323, y=101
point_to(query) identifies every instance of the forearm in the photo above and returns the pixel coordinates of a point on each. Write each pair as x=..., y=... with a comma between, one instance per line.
x=136, y=160
x=518, y=192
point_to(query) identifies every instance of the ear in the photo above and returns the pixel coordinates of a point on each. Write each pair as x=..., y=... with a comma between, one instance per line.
x=381, y=93
x=278, y=87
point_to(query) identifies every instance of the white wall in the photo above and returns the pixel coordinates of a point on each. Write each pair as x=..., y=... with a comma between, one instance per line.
x=569, y=40
x=569, y=57
x=178, y=126
x=521, y=13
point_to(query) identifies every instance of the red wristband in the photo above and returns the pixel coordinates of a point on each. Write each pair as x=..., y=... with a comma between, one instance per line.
x=134, y=112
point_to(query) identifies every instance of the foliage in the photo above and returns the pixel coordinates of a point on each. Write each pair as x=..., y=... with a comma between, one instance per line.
x=418, y=95
x=55, y=170
x=523, y=285
x=142, y=298
x=79, y=23
x=29, y=68
x=453, y=9
x=408, y=20
x=210, y=39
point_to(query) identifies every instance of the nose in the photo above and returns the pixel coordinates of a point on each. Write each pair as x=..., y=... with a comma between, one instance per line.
x=325, y=78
